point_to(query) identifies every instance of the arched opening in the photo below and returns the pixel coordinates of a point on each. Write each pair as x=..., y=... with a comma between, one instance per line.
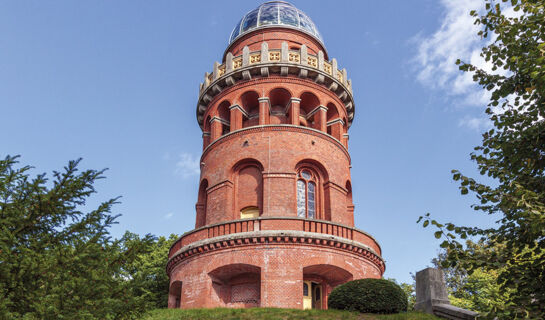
x=318, y=282
x=201, y=204
x=309, y=102
x=334, y=122
x=349, y=193
x=248, y=189
x=280, y=99
x=250, y=104
x=175, y=295
x=237, y=285
x=225, y=115
x=312, y=200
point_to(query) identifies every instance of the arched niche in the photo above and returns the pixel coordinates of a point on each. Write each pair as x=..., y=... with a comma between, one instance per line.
x=201, y=204
x=280, y=99
x=248, y=180
x=249, y=101
x=309, y=102
x=237, y=285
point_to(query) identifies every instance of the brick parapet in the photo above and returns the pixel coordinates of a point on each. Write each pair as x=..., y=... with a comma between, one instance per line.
x=282, y=224
x=276, y=237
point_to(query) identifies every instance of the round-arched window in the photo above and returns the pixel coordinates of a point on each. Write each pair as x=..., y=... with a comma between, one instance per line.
x=306, y=194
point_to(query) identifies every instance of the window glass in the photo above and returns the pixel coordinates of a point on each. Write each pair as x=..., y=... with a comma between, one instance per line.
x=306, y=23
x=305, y=175
x=288, y=15
x=250, y=21
x=301, y=198
x=236, y=31
x=305, y=289
x=311, y=201
x=269, y=14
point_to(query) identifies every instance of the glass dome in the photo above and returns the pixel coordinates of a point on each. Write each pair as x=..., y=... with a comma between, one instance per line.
x=275, y=13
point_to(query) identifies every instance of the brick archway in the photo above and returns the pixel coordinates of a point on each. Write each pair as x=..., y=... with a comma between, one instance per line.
x=237, y=285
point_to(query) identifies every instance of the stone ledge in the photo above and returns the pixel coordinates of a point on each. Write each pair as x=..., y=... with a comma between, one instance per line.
x=448, y=311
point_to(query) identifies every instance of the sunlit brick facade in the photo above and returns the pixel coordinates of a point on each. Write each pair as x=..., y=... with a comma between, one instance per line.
x=274, y=214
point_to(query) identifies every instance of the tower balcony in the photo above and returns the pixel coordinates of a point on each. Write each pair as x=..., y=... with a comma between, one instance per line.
x=262, y=231
x=285, y=62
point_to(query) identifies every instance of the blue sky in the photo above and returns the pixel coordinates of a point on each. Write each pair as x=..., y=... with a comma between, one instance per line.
x=116, y=83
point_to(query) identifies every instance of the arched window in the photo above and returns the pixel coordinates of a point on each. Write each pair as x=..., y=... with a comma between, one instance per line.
x=306, y=194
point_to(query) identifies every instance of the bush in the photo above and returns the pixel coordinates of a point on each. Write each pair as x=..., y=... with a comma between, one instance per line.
x=369, y=296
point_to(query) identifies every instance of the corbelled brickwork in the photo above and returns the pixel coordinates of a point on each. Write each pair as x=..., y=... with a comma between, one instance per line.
x=274, y=220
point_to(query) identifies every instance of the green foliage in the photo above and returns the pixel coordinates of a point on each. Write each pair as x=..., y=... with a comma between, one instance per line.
x=513, y=155
x=478, y=291
x=148, y=269
x=56, y=260
x=409, y=292
x=369, y=295
x=275, y=313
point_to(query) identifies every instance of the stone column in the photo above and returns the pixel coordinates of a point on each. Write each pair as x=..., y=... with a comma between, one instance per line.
x=430, y=289
x=264, y=110
x=294, y=111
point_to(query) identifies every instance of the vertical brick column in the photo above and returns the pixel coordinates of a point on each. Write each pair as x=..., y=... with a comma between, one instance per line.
x=279, y=194
x=220, y=203
x=236, y=117
x=337, y=129
x=345, y=139
x=201, y=215
x=281, y=280
x=321, y=118
x=295, y=104
x=264, y=110
x=205, y=139
x=215, y=128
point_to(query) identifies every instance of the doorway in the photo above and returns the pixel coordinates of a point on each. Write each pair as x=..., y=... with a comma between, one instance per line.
x=312, y=295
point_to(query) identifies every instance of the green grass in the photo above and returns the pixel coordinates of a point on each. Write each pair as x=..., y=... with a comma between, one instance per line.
x=275, y=314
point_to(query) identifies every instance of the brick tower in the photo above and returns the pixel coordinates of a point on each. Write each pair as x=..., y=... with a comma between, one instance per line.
x=274, y=215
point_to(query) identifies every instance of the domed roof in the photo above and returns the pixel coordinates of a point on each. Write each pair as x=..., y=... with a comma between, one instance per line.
x=275, y=13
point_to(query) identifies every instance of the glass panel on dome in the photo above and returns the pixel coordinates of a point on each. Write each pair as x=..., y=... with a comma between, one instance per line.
x=301, y=201
x=269, y=14
x=288, y=15
x=305, y=23
x=250, y=21
x=305, y=174
x=235, y=32
x=311, y=200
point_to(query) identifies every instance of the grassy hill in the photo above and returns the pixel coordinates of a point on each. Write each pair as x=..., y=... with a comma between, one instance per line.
x=275, y=314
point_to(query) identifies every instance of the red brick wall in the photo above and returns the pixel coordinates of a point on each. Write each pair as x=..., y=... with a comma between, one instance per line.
x=281, y=272
x=278, y=151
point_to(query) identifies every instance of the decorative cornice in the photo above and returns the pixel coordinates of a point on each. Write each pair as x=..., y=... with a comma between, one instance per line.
x=237, y=69
x=275, y=237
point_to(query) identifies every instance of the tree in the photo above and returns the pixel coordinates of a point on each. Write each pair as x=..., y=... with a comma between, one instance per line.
x=148, y=269
x=513, y=155
x=478, y=291
x=56, y=260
